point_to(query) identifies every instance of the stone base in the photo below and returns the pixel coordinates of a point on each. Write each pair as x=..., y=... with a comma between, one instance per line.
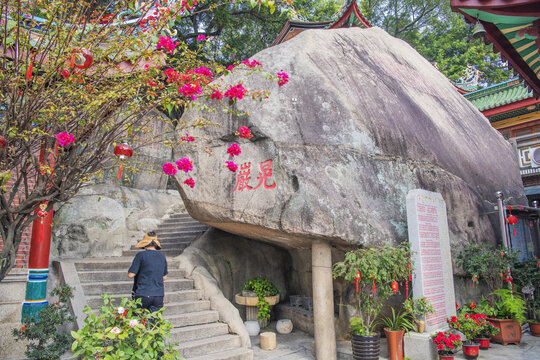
x=419, y=346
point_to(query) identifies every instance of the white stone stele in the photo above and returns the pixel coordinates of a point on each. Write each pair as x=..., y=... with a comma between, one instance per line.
x=432, y=274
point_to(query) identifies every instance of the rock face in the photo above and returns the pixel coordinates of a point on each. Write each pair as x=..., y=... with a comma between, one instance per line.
x=103, y=220
x=363, y=120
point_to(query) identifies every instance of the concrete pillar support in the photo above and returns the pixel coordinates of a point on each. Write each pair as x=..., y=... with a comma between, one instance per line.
x=323, y=301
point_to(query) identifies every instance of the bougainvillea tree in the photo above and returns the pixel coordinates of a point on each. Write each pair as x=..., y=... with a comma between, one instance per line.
x=79, y=77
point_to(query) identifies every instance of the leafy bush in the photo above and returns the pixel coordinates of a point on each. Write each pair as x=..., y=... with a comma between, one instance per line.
x=487, y=263
x=418, y=306
x=123, y=332
x=45, y=340
x=527, y=279
x=378, y=267
x=507, y=304
x=359, y=328
x=262, y=288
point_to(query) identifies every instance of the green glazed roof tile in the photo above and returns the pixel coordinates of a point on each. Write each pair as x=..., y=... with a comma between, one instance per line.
x=499, y=95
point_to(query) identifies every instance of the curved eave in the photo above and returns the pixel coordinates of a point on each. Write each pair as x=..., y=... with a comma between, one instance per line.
x=351, y=10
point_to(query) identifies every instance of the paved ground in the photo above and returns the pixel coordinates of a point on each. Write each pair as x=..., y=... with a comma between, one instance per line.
x=298, y=346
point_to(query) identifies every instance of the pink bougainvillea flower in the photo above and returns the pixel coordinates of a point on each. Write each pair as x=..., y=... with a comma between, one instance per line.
x=191, y=89
x=64, y=139
x=236, y=92
x=203, y=71
x=190, y=182
x=201, y=37
x=252, y=64
x=152, y=83
x=231, y=166
x=171, y=75
x=184, y=164
x=64, y=72
x=283, y=78
x=244, y=132
x=234, y=150
x=187, y=138
x=216, y=95
x=133, y=323
x=169, y=169
x=230, y=68
x=167, y=43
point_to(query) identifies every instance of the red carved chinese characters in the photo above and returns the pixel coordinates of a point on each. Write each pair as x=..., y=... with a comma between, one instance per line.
x=242, y=181
x=264, y=177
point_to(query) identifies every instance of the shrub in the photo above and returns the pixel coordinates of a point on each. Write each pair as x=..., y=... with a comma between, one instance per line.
x=45, y=340
x=262, y=288
x=123, y=332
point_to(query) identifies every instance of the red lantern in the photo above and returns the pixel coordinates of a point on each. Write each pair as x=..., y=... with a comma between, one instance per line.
x=395, y=287
x=123, y=151
x=3, y=142
x=512, y=220
x=81, y=59
x=42, y=214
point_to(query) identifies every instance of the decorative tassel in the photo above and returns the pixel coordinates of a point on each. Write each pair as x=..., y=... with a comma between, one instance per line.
x=406, y=289
x=357, y=278
x=29, y=70
x=409, y=270
x=374, y=290
x=475, y=279
x=120, y=171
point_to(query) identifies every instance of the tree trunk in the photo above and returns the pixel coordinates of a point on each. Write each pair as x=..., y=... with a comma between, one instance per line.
x=9, y=251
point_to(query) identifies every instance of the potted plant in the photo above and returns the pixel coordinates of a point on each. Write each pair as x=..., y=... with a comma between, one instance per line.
x=394, y=328
x=527, y=278
x=372, y=272
x=267, y=295
x=470, y=325
x=481, y=311
x=534, y=323
x=509, y=309
x=484, y=262
x=418, y=308
x=447, y=344
x=489, y=329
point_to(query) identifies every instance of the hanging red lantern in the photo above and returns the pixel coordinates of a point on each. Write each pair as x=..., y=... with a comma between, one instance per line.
x=81, y=59
x=512, y=220
x=357, y=278
x=395, y=287
x=42, y=214
x=123, y=151
x=3, y=142
x=475, y=279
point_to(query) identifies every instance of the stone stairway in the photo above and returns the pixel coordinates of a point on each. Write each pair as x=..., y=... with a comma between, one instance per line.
x=196, y=327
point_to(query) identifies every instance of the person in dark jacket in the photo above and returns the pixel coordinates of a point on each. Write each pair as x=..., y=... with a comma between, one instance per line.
x=149, y=269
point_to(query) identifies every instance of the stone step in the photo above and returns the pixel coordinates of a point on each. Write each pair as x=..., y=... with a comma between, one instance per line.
x=193, y=318
x=167, y=252
x=169, y=247
x=117, y=275
x=169, y=231
x=182, y=307
x=193, y=332
x=182, y=226
x=170, y=242
x=124, y=287
x=208, y=345
x=112, y=263
x=232, y=354
x=95, y=301
x=179, y=236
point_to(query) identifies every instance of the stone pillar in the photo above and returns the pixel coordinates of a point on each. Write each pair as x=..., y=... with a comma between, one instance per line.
x=323, y=301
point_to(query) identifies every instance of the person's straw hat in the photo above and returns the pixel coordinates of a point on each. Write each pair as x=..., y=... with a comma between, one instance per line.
x=147, y=241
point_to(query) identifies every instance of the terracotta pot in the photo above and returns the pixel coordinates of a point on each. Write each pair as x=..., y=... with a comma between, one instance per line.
x=395, y=344
x=484, y=343
x=471, y=350
x=366, y=347
x=510, y=331
x=535, y=328
x=446, y=356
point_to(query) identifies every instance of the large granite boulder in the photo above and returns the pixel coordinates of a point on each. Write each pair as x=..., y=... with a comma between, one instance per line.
x=363, y=120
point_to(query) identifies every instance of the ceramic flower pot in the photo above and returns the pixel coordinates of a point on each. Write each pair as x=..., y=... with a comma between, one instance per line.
x=395, y=344
x=446, y=356
x=366, y=347
x=484, y=343
x=510, y=331
x=471, y=350
x=535, y=328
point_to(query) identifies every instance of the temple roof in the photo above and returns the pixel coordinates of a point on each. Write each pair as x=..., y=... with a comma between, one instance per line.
x=513, y=26
x=349, y=16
